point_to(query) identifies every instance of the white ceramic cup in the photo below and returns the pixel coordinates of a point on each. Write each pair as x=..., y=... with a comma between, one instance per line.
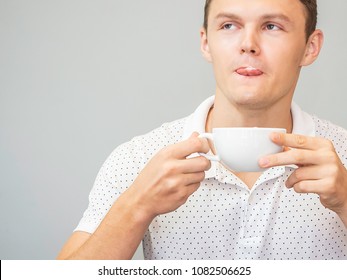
x=240, y=148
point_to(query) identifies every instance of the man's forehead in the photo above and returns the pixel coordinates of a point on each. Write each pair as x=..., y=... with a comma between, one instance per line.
x=284, y=9
x=255, y=5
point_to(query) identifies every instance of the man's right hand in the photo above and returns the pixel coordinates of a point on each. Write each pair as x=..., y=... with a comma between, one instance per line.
x=164, y=184
x=169, y=178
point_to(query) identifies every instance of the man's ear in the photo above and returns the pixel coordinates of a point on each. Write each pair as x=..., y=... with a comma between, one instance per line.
x=313, y=47
x=205, y=50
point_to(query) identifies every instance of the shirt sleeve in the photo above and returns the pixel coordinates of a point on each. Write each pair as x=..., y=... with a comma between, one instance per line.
x=115, y=176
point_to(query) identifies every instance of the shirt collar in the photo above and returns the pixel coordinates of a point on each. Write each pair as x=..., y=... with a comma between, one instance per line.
x=303, y=124
x=197, y=121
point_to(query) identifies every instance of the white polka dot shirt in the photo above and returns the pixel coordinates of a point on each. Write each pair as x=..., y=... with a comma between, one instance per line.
x=224, y=219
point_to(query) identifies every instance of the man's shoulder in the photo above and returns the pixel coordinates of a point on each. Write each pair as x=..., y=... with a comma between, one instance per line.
x=135, y=153
x=335, y=133
x=328, y=129
x=168, y=132
x=148, y=144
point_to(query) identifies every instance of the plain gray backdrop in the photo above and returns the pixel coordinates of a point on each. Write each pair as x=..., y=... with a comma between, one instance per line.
x=80, y=77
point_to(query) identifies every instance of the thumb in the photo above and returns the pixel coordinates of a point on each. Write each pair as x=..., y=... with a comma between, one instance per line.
x=194, y=134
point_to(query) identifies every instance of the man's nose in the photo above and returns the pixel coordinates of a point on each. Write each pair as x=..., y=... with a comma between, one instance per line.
x=250, y=43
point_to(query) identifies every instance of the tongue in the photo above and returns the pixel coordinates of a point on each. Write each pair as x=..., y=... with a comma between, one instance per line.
x=249, y=72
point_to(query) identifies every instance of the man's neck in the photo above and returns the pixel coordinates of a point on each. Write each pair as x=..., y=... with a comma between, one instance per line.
x=225, y=114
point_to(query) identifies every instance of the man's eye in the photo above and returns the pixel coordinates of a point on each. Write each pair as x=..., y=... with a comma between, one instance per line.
x=271, y=26
x=228, y=26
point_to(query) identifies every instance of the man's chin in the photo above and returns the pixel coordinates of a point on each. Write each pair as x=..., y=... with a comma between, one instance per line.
x=251, y=102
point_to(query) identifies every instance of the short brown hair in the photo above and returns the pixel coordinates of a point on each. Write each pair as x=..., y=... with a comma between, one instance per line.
x=311, y=15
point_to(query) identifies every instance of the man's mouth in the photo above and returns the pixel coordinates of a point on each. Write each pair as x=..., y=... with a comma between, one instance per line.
x=249, y=71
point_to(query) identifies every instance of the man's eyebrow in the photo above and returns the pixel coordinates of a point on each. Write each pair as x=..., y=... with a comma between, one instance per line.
x=266, y=17
x=280, y=17
x=227, y=15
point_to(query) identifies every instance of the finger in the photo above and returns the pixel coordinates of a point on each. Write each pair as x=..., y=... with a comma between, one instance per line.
x=187, y=147
x=286, y=149
x=306, y=173
x=298, y=141
x=309, y=186
x=293, y=156
x=192, y=188
x=193, y=178
x=192, y=165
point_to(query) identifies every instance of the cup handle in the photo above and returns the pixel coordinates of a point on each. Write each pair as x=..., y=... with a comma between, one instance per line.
x=209, y=157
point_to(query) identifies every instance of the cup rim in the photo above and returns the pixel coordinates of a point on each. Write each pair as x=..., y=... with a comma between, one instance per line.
x=250, y=128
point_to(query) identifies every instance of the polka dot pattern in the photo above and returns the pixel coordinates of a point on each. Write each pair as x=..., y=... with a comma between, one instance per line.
x=224, y=219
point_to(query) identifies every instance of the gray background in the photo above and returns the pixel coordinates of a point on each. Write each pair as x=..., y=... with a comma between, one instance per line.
x=77, y=78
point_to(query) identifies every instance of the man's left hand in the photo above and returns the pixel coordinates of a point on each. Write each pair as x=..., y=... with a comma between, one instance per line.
x=319, y=171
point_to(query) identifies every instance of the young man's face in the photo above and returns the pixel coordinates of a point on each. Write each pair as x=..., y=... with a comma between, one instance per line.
x=257, y=48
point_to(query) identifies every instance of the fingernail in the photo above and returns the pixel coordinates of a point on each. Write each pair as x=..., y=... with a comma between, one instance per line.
x=264, y=162
x=275, y=136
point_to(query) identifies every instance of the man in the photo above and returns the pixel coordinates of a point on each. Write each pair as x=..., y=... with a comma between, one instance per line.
x=156, y=190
